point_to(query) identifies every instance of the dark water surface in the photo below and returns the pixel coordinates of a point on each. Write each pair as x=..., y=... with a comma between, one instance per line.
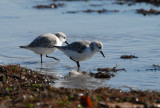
x=123, y=32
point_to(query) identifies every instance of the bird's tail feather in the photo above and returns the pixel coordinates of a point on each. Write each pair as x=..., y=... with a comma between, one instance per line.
x=59, y=47
x=54, y=46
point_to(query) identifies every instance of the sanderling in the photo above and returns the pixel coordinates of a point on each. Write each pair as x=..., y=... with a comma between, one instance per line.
x=41, y=44
x=81, y=50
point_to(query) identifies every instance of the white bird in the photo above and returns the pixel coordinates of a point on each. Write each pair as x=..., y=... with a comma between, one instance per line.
x=41, y=44
x=81, y=50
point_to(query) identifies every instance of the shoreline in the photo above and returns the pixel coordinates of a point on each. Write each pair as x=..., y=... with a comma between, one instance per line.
x=22, y=87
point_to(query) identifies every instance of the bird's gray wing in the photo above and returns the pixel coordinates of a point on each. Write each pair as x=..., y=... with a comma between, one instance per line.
x=42, y=41
x=78, y=46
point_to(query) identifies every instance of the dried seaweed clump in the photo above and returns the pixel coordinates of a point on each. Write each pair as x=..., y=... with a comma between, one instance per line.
x=148, y=12
x=100, y=11
x=114, y=69
x=53, y=5
x=106, y=72
x=132, y=2
x=154, y=68
x=153, y=2
x=102, y=75
x=128, y=56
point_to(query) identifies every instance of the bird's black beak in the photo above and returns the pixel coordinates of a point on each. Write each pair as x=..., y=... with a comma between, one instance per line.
x=102, y=54
x=66, y=42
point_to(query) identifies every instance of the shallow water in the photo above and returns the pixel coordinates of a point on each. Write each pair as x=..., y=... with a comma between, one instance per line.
x=125, y=32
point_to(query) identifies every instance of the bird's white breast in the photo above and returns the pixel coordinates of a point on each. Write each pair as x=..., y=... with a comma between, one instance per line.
x=86, y=54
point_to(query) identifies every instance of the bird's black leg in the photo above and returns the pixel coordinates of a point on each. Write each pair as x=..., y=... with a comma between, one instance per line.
x=41, y=58
x=78, y=65
x=52, y=57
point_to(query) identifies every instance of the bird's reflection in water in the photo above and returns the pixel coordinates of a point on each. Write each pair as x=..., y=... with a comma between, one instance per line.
x=76, y=79
x=47, y=68
x=73, y=79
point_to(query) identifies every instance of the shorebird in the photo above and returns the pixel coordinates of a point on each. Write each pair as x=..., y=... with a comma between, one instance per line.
x=81, y=50
x=41, y=44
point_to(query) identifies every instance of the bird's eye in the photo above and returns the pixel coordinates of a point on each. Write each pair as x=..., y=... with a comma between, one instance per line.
x=99, y=46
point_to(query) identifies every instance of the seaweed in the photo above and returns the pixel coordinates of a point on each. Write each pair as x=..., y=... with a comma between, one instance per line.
x=148, y=12
x=99, y=11
x=106, y=72
x=128, y=56
x=132, y=2
x=53, y=5
x=154, y=68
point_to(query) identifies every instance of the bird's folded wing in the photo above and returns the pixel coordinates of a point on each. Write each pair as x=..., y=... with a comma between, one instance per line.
x=42, y=42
